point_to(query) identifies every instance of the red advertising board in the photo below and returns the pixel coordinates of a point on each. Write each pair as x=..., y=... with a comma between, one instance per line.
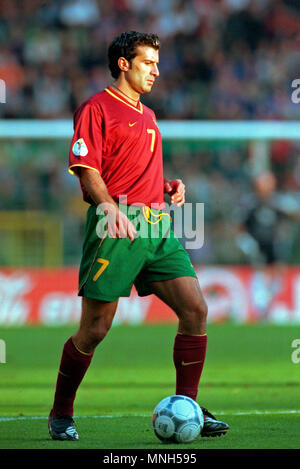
x=238, y=293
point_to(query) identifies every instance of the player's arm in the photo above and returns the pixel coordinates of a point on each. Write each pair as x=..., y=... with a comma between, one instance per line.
x=119, y=226
x=176, y=190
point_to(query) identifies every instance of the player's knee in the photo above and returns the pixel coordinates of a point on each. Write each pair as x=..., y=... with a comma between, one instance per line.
x=92, y=334
x=204, y=310
x=97, y=334
x=196, y=314
x=200, y=312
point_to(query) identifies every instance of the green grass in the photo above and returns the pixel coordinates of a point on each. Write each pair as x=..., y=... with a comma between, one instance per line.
x=249, y=381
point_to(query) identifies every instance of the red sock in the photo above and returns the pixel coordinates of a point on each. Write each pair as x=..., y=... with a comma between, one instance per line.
x=72, y=369
x=189, y=355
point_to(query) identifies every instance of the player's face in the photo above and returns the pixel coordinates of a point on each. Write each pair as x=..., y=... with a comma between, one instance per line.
x=143, y=69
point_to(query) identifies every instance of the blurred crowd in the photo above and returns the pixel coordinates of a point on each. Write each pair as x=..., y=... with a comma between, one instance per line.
x=219, y=59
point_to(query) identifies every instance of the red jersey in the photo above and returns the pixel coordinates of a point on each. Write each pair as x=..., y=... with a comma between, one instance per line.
x=123, y=143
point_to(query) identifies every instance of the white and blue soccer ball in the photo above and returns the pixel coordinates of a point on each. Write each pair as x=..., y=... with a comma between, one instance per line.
x=177, y=419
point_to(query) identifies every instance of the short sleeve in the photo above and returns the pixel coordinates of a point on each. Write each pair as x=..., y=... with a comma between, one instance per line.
x=86, y=145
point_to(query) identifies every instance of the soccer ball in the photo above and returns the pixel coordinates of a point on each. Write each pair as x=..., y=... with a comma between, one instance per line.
x=177, y=419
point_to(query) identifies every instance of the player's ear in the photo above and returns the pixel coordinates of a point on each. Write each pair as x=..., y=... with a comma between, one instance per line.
x=123, y=64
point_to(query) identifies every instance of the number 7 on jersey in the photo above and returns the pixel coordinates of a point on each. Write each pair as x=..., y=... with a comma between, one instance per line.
x=152, y=133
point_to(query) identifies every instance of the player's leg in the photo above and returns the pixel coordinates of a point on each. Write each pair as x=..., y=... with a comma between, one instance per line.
x=102, y=277
x=184, y=296
x=96, y=320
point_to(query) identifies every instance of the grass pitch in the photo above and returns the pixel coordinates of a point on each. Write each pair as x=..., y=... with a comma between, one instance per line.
x=249, y=380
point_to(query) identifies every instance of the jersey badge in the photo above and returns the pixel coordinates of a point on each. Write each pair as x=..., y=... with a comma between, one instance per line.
x=80, y=148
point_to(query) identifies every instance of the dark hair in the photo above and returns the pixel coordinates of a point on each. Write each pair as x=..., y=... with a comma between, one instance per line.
x=125, y=46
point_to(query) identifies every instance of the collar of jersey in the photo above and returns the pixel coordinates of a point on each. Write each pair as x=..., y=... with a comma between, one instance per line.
x=119, y=98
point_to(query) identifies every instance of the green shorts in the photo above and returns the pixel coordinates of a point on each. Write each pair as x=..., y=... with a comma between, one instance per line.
x=110, y=267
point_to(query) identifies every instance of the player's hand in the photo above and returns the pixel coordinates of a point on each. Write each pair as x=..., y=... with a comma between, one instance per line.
x=118, y=224
x=176, y=190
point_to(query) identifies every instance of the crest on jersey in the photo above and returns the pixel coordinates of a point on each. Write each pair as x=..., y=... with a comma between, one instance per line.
x=80, y=148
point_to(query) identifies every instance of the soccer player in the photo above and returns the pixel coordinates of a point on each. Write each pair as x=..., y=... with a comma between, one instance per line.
x=116, y=153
